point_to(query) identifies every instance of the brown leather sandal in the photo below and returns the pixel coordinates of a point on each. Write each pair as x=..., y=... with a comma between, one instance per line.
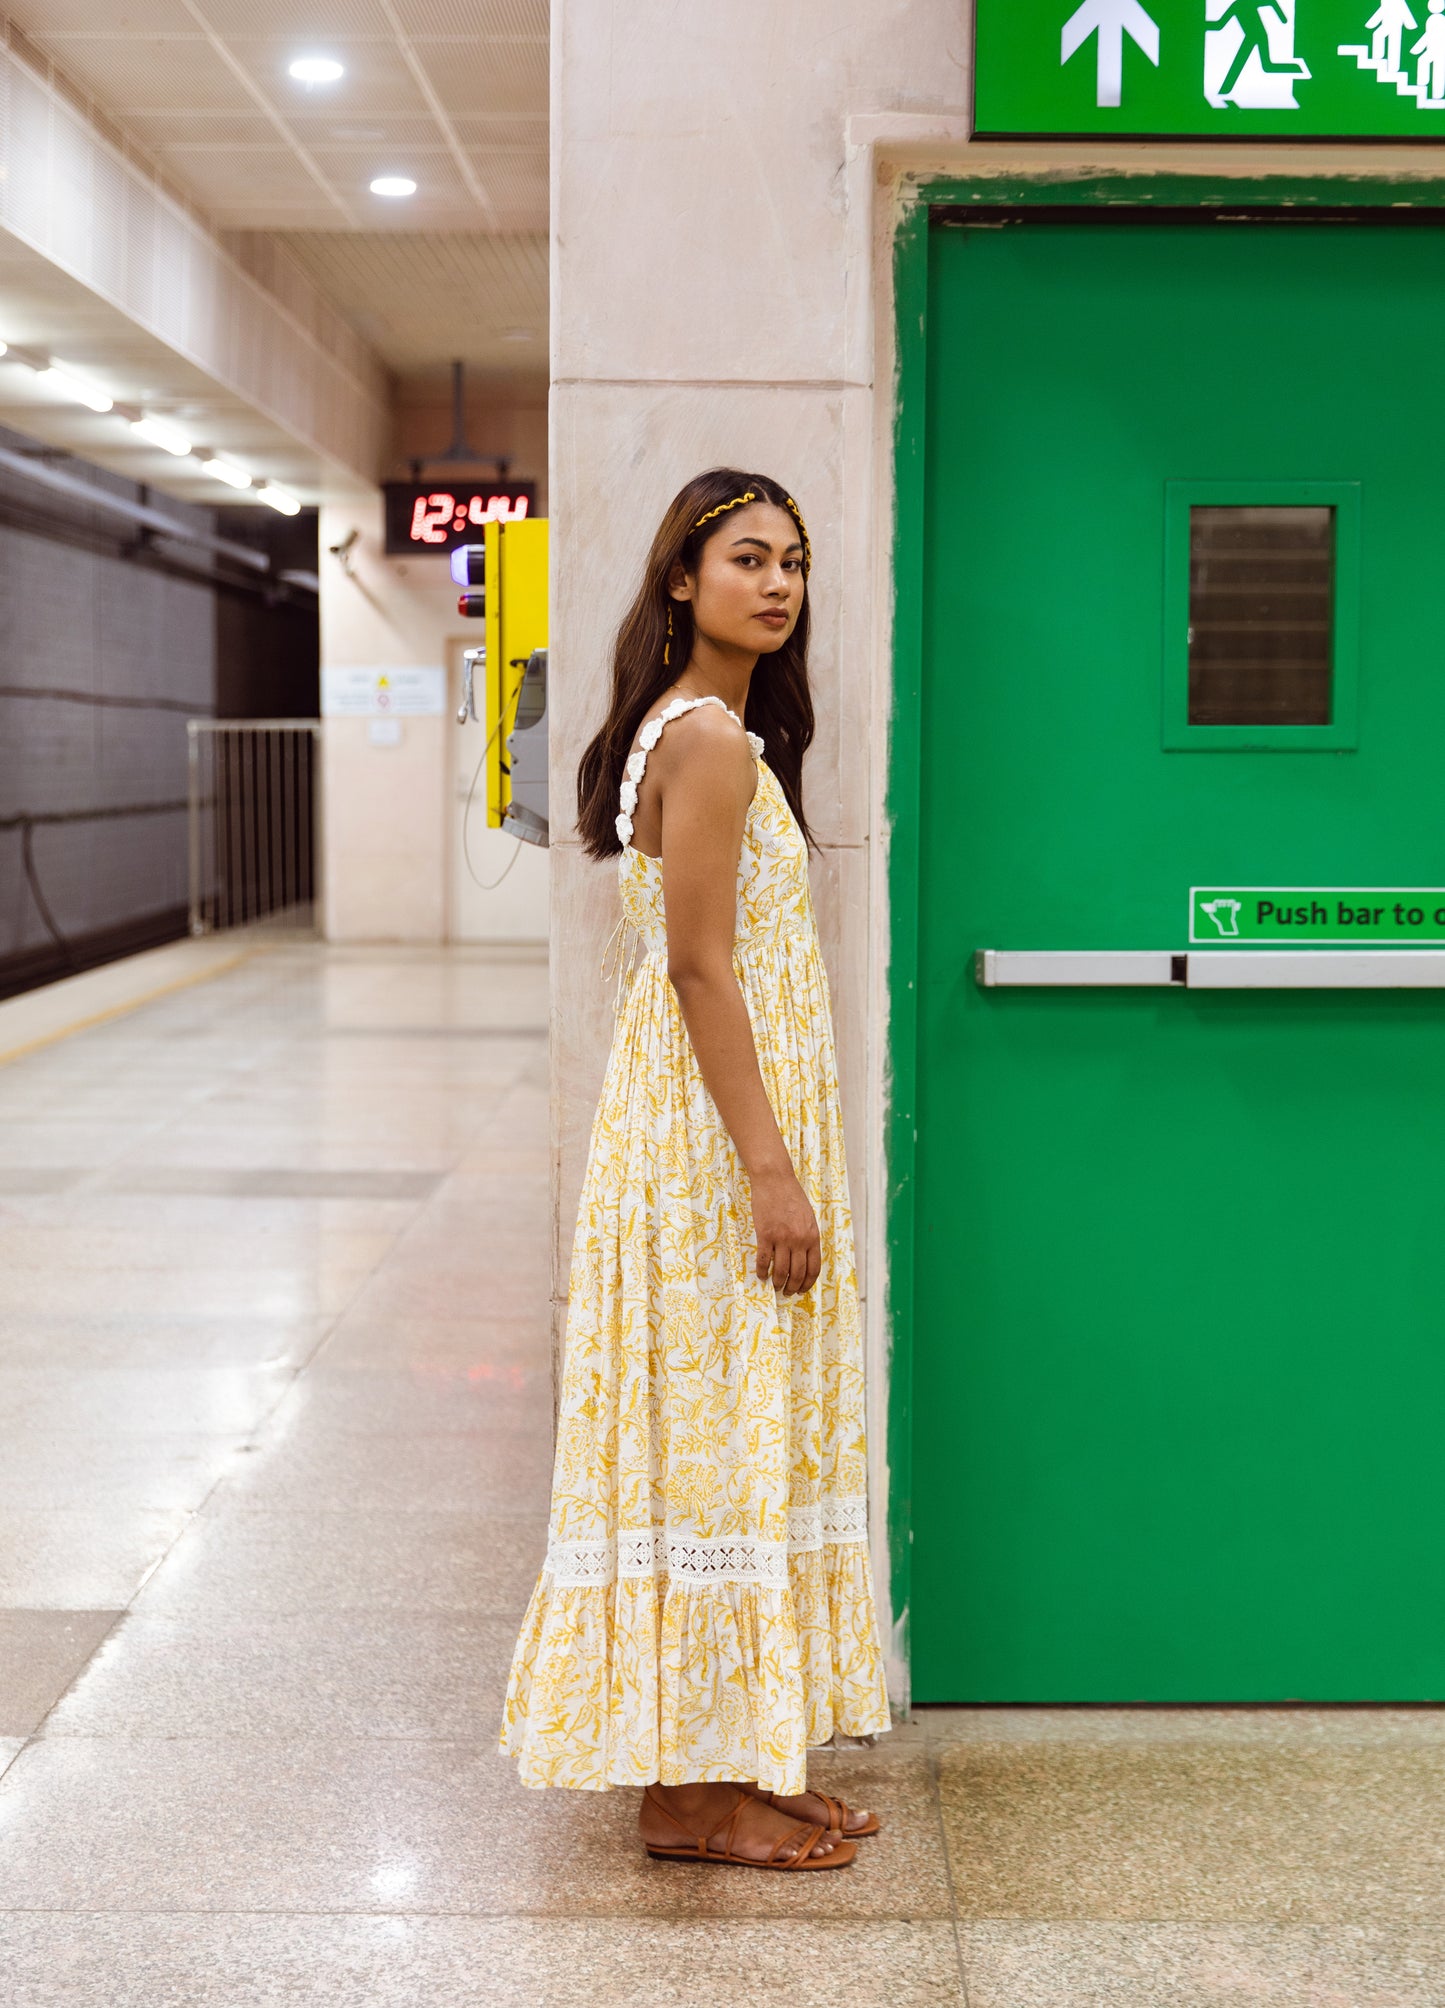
x=803, y=1839
x=838, y=1816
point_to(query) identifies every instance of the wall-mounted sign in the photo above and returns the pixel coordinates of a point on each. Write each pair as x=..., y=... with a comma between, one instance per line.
x=425, y=516
x=408, y=692
x=1218, y=69
x=1343, y=916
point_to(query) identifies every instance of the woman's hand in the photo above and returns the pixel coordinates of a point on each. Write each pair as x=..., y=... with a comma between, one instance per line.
x=787, y=1232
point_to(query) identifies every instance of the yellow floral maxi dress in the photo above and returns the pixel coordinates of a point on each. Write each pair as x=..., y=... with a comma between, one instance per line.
x=706, y=1608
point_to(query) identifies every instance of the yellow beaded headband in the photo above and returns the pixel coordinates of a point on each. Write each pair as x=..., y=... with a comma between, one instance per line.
x=752, y=496
x=723, y=507
x=797, y=515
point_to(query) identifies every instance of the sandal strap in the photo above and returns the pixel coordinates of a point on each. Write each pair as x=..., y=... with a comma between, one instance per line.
x=803, y=1838
x=658, y=1807
x=729, y=1821
x=836, y=1809
x=810, y=1839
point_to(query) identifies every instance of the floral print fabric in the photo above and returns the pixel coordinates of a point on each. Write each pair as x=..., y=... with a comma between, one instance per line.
x=706, y=1609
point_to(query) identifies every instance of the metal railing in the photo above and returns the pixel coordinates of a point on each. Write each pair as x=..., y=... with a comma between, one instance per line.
x=255, y=791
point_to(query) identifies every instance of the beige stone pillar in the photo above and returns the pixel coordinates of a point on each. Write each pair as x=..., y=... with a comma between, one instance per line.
x=383, y=793
x=713, y=275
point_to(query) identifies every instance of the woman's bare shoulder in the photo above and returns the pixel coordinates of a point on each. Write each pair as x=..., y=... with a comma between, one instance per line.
x=706, y=737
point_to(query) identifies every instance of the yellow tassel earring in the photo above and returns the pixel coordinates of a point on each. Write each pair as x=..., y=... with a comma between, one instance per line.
x=667, y=645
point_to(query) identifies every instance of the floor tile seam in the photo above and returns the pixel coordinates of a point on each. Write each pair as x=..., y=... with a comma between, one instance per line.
x=392, y=1509
x=191, y=1516
x=623, y=1918
x=484, y=1747
x=331, y=1320
x=269, y=1739
x=473, y=1613
x=227, y=1621
x=1432, y=1921
x=36, y=1734
x=293, y=1378
x=931, y=1760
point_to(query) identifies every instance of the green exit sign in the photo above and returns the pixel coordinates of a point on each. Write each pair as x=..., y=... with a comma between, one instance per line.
x=1216, y=69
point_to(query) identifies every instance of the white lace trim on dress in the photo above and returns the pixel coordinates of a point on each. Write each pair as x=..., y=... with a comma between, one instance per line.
x=633, y=1556
x=636, y=766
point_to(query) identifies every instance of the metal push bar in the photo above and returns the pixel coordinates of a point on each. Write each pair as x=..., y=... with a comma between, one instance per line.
x=1261, y=969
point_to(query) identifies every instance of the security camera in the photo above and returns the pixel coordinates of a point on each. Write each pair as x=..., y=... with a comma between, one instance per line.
x=344, y=549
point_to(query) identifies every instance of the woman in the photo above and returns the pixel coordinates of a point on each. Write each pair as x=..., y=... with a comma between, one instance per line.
x=705, y=1616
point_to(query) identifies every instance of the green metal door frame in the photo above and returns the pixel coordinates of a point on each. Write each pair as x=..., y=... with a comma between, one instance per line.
x=1333, y=192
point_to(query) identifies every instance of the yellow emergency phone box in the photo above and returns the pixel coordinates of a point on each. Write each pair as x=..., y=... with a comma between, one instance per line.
x=516, y=589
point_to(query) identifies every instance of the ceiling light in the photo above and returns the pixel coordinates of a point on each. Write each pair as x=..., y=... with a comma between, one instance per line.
x=156, y=432
x=394, y=185
x=310, y=70
x=227, y=471
x=75, y=389
x=4, y=348
x=277, y=498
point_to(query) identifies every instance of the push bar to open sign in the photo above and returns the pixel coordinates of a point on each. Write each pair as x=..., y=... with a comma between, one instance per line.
x=1142, y=969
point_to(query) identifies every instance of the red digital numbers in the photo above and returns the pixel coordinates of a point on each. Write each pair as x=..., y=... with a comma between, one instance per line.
x=434, y=518
x=431, y=518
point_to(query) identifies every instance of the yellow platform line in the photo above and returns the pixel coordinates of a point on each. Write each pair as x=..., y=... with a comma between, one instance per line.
x=124, y=1008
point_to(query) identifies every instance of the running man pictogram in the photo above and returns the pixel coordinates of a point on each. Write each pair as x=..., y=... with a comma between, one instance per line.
x=1249, y=17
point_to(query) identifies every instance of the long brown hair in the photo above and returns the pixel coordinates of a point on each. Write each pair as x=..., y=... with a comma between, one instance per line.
x=649, y=656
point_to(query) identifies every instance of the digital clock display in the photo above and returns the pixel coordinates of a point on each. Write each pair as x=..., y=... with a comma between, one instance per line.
x=438, y=515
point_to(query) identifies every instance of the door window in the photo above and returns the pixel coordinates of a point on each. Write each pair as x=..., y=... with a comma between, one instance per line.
x=1261, y=613
x=1260, y=616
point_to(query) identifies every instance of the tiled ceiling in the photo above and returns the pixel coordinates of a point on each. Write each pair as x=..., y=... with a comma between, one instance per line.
x=451, y=93
x=436, y=295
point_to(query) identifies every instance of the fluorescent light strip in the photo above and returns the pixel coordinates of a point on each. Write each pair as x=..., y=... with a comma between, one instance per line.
x=76, y=389
x=156, y=432
x=227, y=471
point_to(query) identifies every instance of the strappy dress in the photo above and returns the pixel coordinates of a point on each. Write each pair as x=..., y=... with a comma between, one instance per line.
x=706, y=1608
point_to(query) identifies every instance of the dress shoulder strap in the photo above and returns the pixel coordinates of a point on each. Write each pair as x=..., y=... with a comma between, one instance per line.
x=636, y=766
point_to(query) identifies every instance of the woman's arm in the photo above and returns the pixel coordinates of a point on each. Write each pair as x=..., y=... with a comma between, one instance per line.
x=706, y=782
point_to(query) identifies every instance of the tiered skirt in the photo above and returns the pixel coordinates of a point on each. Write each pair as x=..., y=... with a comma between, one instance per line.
x=706, y=1611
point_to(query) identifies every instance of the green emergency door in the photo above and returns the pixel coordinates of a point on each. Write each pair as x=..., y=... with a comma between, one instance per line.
x=1179, y=1258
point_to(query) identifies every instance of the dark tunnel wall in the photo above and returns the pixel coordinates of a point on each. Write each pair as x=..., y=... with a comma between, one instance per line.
x=107, y=646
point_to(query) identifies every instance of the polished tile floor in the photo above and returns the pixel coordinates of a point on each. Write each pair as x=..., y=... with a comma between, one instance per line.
x=274, y=1434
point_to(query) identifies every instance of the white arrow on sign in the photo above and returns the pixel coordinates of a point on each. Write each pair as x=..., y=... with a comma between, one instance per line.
x=1111, y=21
